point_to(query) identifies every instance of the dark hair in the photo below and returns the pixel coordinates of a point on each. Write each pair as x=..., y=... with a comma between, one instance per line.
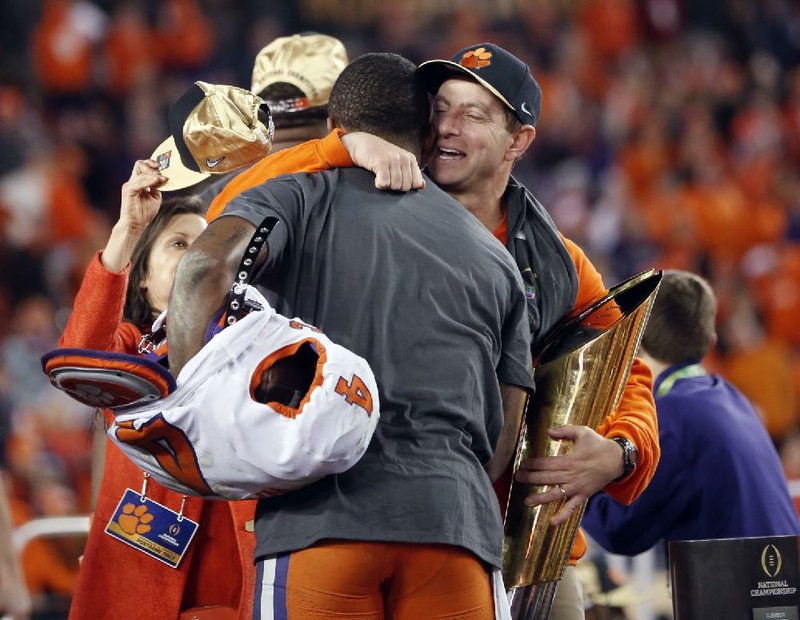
x=513, y=124
x=137, y=309
x=283, y=91
x=681, y=325
x=382, y=94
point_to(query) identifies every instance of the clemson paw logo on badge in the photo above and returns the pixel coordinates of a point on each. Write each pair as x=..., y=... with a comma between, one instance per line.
x=475, y=59
x=134, y=519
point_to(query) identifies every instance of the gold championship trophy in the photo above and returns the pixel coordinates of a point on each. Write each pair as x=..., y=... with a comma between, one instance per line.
x=580, y=374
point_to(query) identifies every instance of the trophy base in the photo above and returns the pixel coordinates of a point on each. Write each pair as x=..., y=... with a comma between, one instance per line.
x=532, y=602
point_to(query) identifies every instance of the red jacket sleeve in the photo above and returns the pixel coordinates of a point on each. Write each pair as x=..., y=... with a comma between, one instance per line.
x=96, y=319
x=635, y=416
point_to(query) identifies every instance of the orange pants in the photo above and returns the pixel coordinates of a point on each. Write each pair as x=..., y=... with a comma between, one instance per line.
x=373, y=581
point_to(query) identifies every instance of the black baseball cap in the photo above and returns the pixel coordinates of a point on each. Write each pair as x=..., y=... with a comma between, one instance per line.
x=498, y=70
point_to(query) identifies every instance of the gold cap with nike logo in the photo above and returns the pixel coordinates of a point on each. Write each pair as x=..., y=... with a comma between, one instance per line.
x=214, y=129
x=310, y=62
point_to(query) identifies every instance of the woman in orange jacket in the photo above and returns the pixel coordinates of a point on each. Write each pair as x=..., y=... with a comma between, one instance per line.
x=126, y=286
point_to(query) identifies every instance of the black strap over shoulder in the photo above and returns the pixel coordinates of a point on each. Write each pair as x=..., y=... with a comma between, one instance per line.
x=235, y=304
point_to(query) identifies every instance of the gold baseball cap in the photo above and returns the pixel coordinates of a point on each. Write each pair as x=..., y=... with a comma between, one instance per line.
x=215, y=129
x=311, y=62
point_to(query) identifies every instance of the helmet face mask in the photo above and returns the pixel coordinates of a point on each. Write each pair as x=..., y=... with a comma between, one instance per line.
x=289, y=379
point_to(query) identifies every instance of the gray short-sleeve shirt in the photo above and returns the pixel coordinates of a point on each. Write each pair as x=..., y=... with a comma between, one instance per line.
x=416, y=285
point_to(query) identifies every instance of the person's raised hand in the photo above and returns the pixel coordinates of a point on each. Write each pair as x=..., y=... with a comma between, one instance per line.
x=141, y=200
x=141, y=197
x=394, y=167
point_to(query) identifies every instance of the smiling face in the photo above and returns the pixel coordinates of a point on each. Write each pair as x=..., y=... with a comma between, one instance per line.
x=473, y=147
x=165, y=254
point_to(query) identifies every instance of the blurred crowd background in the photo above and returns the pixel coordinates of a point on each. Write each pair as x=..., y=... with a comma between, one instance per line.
x=669, y=137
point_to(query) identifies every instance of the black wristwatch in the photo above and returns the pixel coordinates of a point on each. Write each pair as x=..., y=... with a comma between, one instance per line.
x=630, y=456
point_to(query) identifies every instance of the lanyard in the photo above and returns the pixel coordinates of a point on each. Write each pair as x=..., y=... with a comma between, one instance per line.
x=693, y=370
x=143, y=495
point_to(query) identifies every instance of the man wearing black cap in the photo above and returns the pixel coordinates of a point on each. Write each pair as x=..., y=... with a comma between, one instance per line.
x=485, y=109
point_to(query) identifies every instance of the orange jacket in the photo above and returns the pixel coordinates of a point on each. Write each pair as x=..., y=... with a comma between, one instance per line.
x=218, y=566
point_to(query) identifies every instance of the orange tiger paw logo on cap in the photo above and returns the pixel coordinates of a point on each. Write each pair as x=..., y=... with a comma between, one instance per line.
x=475, y=59
x=135, y=519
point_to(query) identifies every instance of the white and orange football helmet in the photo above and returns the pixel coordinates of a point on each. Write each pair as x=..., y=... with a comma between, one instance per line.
x=268, y=405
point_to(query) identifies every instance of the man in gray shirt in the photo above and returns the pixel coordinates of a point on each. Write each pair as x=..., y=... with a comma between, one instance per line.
x=417, y=286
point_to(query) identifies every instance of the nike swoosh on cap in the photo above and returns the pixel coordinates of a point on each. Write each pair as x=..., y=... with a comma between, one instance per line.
x=212, y=163
x=524, y=108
